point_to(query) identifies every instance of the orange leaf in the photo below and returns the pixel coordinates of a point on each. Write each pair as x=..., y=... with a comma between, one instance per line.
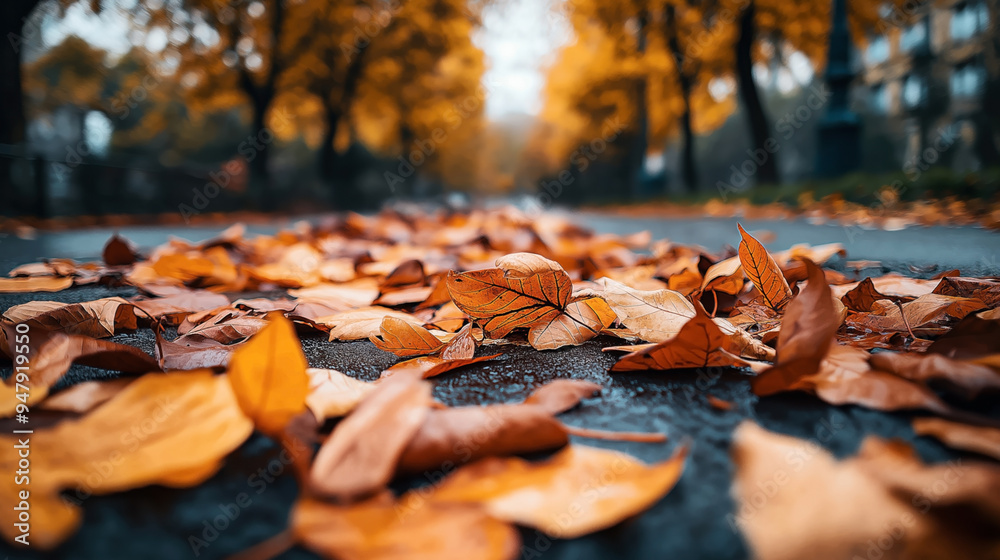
x=268, y=374
x=698, y=344
x=579, y=322
x=526, y=290
x=405, y=339
x=34, y=284
x=765, y=274
x=360, y=456
x=540, y=494
x=382, y=529
x=172, y=430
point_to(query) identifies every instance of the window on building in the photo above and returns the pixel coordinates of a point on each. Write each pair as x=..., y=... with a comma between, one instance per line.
x=967, y=80
x=969, y=20
x=914, y=90
x=879, y=99
x=914, y=36
x=878, y=50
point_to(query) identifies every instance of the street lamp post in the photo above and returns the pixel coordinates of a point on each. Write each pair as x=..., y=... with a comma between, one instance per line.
x=839, y=146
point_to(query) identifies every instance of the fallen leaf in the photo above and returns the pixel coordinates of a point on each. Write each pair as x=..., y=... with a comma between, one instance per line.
x=927, y=311
x=119, y=251
x=765, y=274
x=580, y=321
x=333, y=394
x=405, y=339
x=51, y=353
x=794, y=500
x=967, y=378
x=524, y=291
x=986, y=290
x=363, y=323
x=655, y=316
x=34, y=284
x=173, y=430
x=430, y=366
x=863, y=296
x=807, y=330
x=381, y=529
x=547, y=495
x=561, y=395
x=977, y=439
x=173, y=309
x=268, y=374
x=696, y=345
x=97, y=319
x=360, y=456
x=83, y=397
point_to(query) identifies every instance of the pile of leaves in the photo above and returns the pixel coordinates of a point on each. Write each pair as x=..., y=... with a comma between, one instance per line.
x=445, y=290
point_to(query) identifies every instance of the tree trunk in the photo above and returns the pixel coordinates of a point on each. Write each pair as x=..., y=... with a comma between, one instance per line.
x=689, y=172
x=327, y=153
x=259, y=189
x=12, y=119
x=756, y=118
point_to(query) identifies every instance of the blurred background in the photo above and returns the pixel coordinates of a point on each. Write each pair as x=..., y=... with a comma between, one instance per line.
x=195, y=107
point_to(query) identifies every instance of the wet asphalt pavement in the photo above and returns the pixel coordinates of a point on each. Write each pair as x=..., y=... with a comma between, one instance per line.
x=693, y=521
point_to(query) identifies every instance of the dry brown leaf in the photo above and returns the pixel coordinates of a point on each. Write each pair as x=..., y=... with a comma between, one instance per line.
x=845, y=377
x=51, y=353
x=794, y=500
x=405, y=339
x=185, y=353
x=724, y=276
x=172, y=430
x=227, y=327
x=172, y=309
x=579, y=322
x=986, y=290
x=268, y=374
x=654, y=316
x=978, y=439
x=97, y=319
x=34, y=284
x=430, y=366
x=927, y=311
x=83, y=397
x=333, y=394
x=453, y=436
x=863, y=296
x=696, y=345
x=524, y=291
x=381, y=529
x=119, y=251
x=360, y=456
x=546, y=495
x=807, y=329
x=765, y=274
x=967, y=378
x=363, y=323
x=462, y=346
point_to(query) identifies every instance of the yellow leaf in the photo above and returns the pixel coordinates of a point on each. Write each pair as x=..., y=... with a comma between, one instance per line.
x=268, y=374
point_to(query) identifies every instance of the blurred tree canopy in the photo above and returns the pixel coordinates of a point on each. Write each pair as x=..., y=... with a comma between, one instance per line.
x=401, y=78
x=674, y=67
